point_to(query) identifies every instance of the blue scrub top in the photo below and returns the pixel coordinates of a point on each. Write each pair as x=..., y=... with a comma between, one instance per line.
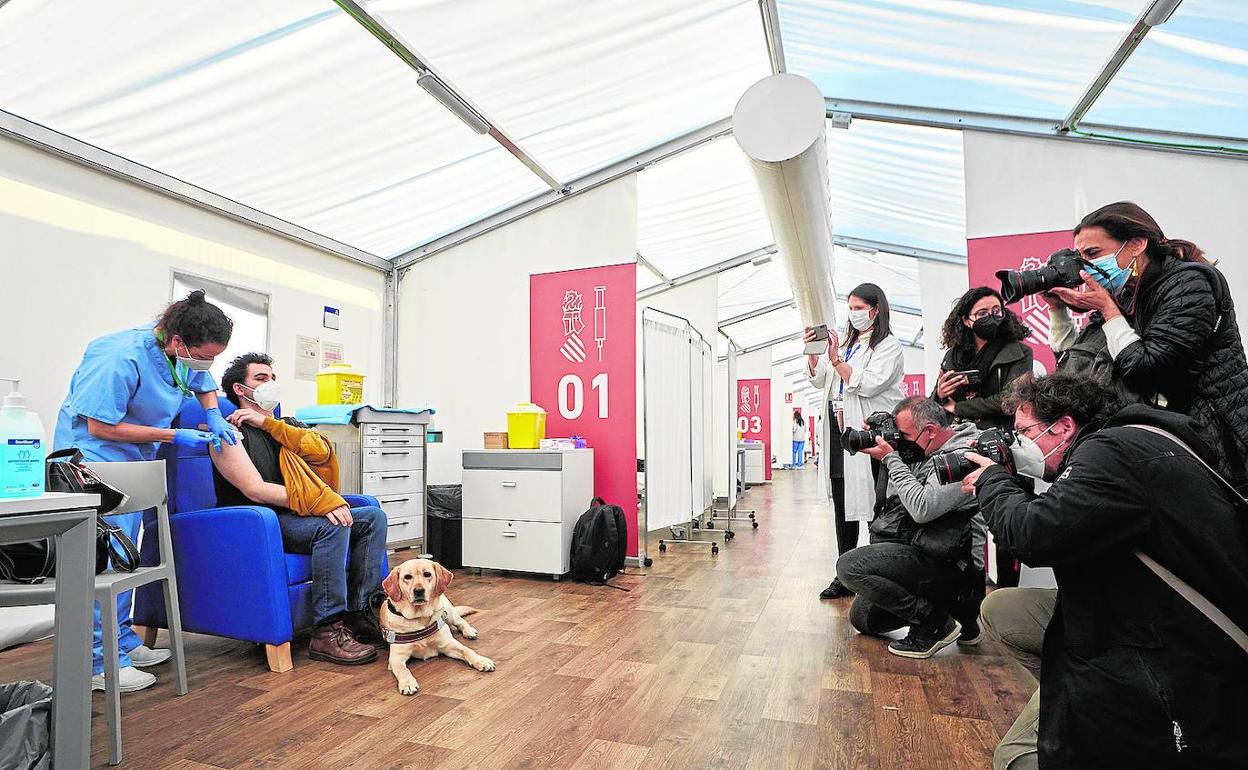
x=123, y=377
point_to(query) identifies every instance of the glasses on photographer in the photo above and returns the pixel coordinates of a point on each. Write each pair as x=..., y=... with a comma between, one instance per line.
x=995, y=312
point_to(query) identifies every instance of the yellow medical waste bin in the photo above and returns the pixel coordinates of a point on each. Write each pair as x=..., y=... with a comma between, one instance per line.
x=526, y=426
x=339, y=384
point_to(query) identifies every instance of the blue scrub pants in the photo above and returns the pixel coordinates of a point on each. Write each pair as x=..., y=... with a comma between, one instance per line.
x=799, y=454
x=127, y=640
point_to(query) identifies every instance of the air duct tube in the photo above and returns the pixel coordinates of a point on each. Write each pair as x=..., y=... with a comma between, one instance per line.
x=779, y=123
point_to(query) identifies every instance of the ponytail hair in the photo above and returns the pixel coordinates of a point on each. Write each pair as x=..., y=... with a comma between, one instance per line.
x=197, y=321
x=1125, y=220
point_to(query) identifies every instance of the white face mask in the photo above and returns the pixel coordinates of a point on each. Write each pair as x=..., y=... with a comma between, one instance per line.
x=1029, y=458
x=194, y=364
x=861, y=319
x=266, y=395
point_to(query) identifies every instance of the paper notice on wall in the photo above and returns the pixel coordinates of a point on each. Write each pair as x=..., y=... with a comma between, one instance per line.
x=331, y=353
x=307, y=357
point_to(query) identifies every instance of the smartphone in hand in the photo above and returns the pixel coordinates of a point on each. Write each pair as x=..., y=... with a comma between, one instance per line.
x=819, y=345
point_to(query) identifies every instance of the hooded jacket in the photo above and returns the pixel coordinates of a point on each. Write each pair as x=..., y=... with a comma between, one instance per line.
x=1132, y=675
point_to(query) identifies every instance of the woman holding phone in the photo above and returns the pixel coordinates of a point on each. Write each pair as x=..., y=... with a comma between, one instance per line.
x=985, y=353
x=859, y=375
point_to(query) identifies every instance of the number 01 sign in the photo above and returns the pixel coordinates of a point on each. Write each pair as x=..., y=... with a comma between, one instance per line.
x=583, y=371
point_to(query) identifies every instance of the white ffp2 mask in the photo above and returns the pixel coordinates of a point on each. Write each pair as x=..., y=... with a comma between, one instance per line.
x=861, y=319
x=266, y=395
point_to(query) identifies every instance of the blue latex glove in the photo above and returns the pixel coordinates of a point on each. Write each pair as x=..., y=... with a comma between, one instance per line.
x=218, y=425
x=193, y=439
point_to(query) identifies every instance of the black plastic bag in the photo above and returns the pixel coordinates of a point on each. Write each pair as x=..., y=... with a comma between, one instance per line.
x=26, y=726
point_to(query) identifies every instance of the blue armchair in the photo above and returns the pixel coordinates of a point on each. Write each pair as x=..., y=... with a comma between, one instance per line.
x=234, y=578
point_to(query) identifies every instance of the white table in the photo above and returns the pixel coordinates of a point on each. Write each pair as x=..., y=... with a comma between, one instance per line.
x=70, y=518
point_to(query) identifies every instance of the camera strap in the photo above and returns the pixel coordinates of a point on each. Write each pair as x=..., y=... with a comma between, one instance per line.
x=1181, y=587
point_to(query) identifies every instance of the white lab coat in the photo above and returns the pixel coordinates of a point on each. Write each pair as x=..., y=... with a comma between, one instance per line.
x=874, y=386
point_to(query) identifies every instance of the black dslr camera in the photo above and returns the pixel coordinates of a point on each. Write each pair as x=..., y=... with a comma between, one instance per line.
x=879, y=424
x=993, y=444
x=1062, y=270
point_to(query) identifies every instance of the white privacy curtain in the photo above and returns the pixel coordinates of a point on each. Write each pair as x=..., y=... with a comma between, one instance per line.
x=707, y=399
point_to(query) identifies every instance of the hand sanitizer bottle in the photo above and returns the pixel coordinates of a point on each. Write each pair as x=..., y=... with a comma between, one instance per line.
x=22, y=447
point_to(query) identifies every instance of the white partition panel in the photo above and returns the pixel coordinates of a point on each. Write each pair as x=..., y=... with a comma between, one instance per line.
x=665, y=370
x=708, y=424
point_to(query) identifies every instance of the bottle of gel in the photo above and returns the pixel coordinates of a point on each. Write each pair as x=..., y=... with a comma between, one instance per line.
x=22, y=447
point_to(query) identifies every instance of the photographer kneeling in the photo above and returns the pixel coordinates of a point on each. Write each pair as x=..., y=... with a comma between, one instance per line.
x=1137, y=528
x=927, y=541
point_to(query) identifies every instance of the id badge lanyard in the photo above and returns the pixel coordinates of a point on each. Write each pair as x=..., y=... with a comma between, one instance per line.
x=849, y=354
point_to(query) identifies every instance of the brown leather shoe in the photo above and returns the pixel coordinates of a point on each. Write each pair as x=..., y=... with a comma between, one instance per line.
x=333, y=643
x=363, y=626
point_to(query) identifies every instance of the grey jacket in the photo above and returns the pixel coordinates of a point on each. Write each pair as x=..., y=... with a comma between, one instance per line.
x=926, y=499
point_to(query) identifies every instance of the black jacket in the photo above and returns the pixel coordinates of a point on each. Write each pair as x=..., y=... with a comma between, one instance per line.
x=1200, y=371
x=983, y=405
x=1131, y=674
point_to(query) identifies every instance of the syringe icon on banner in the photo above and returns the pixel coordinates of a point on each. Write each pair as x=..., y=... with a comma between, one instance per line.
x=600, y=317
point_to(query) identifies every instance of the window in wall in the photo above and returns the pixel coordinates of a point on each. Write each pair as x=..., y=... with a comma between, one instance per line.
x=248, y=309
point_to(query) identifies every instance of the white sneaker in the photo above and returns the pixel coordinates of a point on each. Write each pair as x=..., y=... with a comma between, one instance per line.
x=144, y=656
x=130, y=679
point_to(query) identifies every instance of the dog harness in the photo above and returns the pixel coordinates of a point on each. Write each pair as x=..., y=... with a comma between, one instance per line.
x=392, y=637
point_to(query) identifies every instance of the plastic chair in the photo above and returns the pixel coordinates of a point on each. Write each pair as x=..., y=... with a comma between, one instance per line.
x=144, y=482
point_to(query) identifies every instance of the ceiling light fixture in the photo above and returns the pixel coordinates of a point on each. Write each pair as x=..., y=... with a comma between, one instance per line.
x=840, y=119
x=760, y=260
x=452, y=101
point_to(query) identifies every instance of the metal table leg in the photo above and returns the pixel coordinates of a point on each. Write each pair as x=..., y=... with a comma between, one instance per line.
x=71, y=699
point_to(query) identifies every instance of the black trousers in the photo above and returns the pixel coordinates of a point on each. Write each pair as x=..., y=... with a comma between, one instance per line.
x=846, y=531
x=899, y=585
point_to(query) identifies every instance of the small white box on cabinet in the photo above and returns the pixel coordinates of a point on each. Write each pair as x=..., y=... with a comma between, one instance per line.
x=520, y=506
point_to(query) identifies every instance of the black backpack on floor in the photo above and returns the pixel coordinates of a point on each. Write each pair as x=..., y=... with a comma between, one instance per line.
x=599, y=543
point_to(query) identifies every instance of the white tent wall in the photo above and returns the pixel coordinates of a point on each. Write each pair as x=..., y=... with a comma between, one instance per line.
x=1026, y=185
x=942, y=285
x=85, y=254
x=464, y=313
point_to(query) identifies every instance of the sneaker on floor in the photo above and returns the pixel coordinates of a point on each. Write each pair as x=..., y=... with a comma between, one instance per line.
x=144, y=656
x=835, y=590
x=971, y=635
x=924, y=642
x=129, y=679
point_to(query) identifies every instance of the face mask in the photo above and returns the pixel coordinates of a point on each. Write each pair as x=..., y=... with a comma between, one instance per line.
x=910, y=452
x=1029, y=458
x=987, y=328
x=265, y=395
x=861, y=319
x=1105, y=271
x=194, y=364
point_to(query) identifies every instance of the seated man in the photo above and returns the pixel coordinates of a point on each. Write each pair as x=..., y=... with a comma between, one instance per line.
x=1140, y=667
x=260, y=470
x=926, y=556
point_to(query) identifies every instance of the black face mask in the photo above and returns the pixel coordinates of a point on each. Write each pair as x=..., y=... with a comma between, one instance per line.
x=910, y=452
x=987, y=328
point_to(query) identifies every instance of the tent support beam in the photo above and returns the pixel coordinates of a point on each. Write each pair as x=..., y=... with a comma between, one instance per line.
x=709, y=271
x=771, y=30
x=390, y=339
x=54, y=143
x=647, y=264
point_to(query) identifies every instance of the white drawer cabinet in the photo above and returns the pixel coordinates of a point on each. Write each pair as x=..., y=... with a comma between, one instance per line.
x=384, y=456
x=520, y=507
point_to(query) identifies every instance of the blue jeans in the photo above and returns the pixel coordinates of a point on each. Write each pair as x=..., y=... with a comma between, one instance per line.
x=127, y=640
x=799, y=454
x=360, y=547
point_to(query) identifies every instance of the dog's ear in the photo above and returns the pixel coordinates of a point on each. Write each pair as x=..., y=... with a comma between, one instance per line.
x=391, y=586
x=445, y=576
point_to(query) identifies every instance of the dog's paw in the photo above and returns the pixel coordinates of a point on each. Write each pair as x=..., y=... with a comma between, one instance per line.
x=484, y=664
x=470, y=632
x=409, y=688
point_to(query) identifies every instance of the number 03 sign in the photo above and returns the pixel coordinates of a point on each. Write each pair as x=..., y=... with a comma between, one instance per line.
x=583, y=371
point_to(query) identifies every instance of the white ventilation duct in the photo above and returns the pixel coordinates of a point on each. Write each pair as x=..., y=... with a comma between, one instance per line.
x=779, y=123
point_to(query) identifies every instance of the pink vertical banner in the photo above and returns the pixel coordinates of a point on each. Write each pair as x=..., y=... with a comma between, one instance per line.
x=985, y=256
x=913, y=385
x=583, y=371
x=754, y=416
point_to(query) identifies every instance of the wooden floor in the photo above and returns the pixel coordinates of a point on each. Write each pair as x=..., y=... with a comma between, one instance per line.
x=724, y=662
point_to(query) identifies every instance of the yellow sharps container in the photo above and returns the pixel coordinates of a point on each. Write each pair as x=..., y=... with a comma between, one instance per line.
x=339, y=384
x=526, y=426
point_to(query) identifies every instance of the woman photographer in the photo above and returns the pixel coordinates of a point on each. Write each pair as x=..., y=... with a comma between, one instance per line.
x=985, y=354
x=860, y=376
x=1169, y=325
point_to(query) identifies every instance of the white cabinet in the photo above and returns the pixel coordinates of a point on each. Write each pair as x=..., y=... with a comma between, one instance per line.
x=520, y=507
x=755, y=462
x=383, y=455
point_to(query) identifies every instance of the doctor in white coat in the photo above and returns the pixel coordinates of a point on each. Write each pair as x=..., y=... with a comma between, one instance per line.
x=860, y=375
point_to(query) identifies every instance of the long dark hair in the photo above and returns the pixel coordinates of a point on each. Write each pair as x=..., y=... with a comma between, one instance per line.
x=874, y=296
x=196, y=321
x=1125, y=220
x=955, y=335
x=797, y=417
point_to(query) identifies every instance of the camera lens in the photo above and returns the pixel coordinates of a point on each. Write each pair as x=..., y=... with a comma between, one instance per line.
x=1016, y=284
x=952, y=466
x=855, y=441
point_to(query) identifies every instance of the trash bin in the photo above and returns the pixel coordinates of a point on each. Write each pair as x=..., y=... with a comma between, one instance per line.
x=26, y=726
x=444, y=524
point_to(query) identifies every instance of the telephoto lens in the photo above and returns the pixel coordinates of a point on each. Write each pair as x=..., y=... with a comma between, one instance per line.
x=1062, y=269
x=993, y=444
x=879, y=424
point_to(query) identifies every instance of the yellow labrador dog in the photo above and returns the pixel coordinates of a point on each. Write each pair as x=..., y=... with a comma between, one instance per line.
x=417, y=619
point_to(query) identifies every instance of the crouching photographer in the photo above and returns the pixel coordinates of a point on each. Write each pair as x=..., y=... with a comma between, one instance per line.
x=924, y=565
x=1144, y=663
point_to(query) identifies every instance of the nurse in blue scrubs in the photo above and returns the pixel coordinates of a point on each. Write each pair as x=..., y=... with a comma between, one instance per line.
x=122, y=400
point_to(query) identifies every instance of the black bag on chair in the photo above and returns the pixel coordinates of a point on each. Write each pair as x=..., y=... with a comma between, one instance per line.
x=35, y=561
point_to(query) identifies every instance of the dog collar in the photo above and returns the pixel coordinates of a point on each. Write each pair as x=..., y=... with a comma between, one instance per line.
x=392, y=637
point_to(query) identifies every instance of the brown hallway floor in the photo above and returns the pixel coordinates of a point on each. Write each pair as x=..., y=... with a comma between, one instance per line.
x=724, y=662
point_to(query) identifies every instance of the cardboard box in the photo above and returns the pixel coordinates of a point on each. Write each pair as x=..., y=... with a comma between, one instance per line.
x=496, y=441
